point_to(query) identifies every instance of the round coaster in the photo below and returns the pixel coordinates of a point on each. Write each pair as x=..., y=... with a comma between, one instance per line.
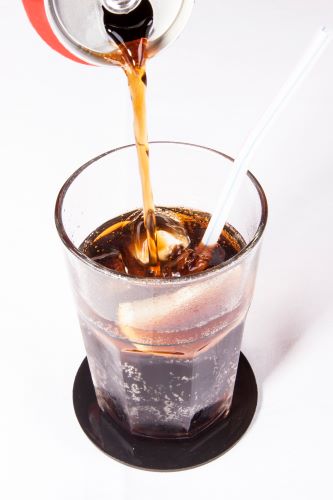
x=165, y=454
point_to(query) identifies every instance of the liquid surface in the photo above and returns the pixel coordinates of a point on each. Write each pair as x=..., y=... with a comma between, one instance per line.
x=121, y=244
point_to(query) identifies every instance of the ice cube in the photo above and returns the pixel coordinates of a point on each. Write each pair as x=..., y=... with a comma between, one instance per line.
x=166, y=242
x=112, y=260
x=191, y=307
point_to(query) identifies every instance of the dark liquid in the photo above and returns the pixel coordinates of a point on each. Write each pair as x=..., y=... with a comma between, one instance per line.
x=164, y=367
x=117, y=244
x=125, y=28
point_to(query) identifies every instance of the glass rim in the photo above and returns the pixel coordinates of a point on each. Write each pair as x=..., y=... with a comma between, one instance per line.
x=225, y=266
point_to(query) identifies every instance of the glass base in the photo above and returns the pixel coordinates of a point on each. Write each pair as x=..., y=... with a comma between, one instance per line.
x=166, y=454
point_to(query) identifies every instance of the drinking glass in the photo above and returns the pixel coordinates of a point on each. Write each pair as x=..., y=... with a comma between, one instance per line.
x=163, y=353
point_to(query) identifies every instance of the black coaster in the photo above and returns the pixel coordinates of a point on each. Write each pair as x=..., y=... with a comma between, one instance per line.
x=165, y=454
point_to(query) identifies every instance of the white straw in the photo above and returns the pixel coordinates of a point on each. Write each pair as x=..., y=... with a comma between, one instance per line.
x=241, y=163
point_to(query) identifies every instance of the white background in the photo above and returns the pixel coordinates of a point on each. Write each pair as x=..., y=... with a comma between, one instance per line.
x=209, y=87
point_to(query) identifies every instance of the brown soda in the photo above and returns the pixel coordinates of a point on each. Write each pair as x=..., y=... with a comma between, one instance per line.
x=177, y=388
x=112, y=245
x=163, y=377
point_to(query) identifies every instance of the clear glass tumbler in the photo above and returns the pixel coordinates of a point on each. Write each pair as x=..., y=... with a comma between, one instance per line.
x=163, y=353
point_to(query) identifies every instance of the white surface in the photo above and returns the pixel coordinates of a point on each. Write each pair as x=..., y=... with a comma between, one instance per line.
x=51, y=122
